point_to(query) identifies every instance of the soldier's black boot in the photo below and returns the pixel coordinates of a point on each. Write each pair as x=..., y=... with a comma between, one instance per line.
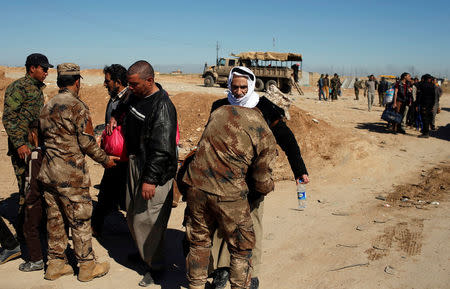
x=221, y=276
x=254, y=283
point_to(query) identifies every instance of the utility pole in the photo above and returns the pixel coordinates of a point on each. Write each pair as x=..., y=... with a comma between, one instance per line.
x=217, y=53
x=273, y=42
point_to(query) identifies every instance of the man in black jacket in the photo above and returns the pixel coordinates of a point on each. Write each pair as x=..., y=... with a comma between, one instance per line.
x=426, y=97
x=382, y=87
x=150, y=137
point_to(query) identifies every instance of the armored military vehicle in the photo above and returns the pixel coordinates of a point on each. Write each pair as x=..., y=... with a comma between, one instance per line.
x=270, y=68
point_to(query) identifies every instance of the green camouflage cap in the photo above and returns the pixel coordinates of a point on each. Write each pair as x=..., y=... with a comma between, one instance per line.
x=68, y=69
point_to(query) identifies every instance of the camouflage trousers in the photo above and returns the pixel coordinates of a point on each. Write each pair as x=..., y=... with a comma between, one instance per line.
x=77, y=212
x=221, y=255
x=206, y=213
x=20, y=167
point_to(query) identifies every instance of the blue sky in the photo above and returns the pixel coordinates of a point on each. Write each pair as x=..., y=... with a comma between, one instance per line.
x=351, y=37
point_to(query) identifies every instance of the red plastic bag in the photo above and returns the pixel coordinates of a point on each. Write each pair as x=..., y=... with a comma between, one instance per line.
x=178, y=135
x=114, y=144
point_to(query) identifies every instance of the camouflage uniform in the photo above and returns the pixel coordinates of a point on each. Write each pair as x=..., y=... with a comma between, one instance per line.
x=23, y=102
x=335, y=85
x=237, y=148
x=357, y=86
x=68, y=135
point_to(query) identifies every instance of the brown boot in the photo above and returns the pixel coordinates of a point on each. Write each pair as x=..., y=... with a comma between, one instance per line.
x=91, y=269
x=57, y=268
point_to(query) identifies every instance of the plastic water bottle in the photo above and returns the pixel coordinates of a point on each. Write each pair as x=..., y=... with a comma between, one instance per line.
x=301, y=195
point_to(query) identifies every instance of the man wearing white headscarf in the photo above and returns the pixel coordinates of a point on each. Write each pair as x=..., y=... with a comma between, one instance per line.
x=241, y=85
x=241, y=92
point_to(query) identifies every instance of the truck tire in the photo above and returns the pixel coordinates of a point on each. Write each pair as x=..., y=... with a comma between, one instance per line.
x=286, y=88
x=269, y=83
x=259, y=84
x=208, y=81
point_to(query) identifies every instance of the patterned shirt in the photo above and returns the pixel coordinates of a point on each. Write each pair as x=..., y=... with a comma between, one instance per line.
x=68, y=136
x=236, y=151
x=23, y=102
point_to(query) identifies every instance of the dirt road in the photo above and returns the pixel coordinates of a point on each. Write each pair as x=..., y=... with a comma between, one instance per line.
x=346, y=238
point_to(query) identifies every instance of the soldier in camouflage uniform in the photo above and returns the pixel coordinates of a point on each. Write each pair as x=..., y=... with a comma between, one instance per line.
x=23, y=102
x=68, y=135
x=235, y=153
x=357, y=86
x=335, y=86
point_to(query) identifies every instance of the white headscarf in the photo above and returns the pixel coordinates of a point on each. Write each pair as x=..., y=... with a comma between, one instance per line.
x=249, y=100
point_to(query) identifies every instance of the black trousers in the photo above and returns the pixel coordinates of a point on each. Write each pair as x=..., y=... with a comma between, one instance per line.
x=427, y=117
x=112, y=194
x=7, y=240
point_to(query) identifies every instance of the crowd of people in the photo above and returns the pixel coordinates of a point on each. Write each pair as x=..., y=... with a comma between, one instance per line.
x=416, y=102
x=329, y=88
x=224, y=182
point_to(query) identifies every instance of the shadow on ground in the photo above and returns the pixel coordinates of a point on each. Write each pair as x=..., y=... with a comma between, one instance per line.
x=379, y=127
x=9, y=209
x=443, y=132
x=117, y=240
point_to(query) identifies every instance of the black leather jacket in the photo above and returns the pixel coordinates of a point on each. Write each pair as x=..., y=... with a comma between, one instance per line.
x=150, y=134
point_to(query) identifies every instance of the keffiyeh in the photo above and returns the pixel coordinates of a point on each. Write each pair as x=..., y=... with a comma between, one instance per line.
x=251, y=99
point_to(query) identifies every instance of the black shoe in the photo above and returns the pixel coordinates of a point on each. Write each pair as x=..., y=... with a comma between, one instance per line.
x=8, y=255
x=152, y=276
x=147, y=280
x=402, y=131
x=254, y=283
x=220, y=279
x=31, y=266
x=424, y=136
x=433, y=128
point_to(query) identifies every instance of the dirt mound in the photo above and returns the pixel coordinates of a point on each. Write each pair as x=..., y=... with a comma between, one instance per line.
x=317, y=139
x=433, y=188
x=406, y=236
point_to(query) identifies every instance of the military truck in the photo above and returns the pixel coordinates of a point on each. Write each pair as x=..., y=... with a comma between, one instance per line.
x=268, y=67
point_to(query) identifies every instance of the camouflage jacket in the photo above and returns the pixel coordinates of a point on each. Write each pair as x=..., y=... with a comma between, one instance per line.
x=335, y=83
x=68, y=135
x=23, y=102
x=236, y=151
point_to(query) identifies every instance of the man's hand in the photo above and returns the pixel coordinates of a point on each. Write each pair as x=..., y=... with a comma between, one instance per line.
x=23, y=151
x=304, y=178
x=112, y=124
x=111, y=162
x=148, y=191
